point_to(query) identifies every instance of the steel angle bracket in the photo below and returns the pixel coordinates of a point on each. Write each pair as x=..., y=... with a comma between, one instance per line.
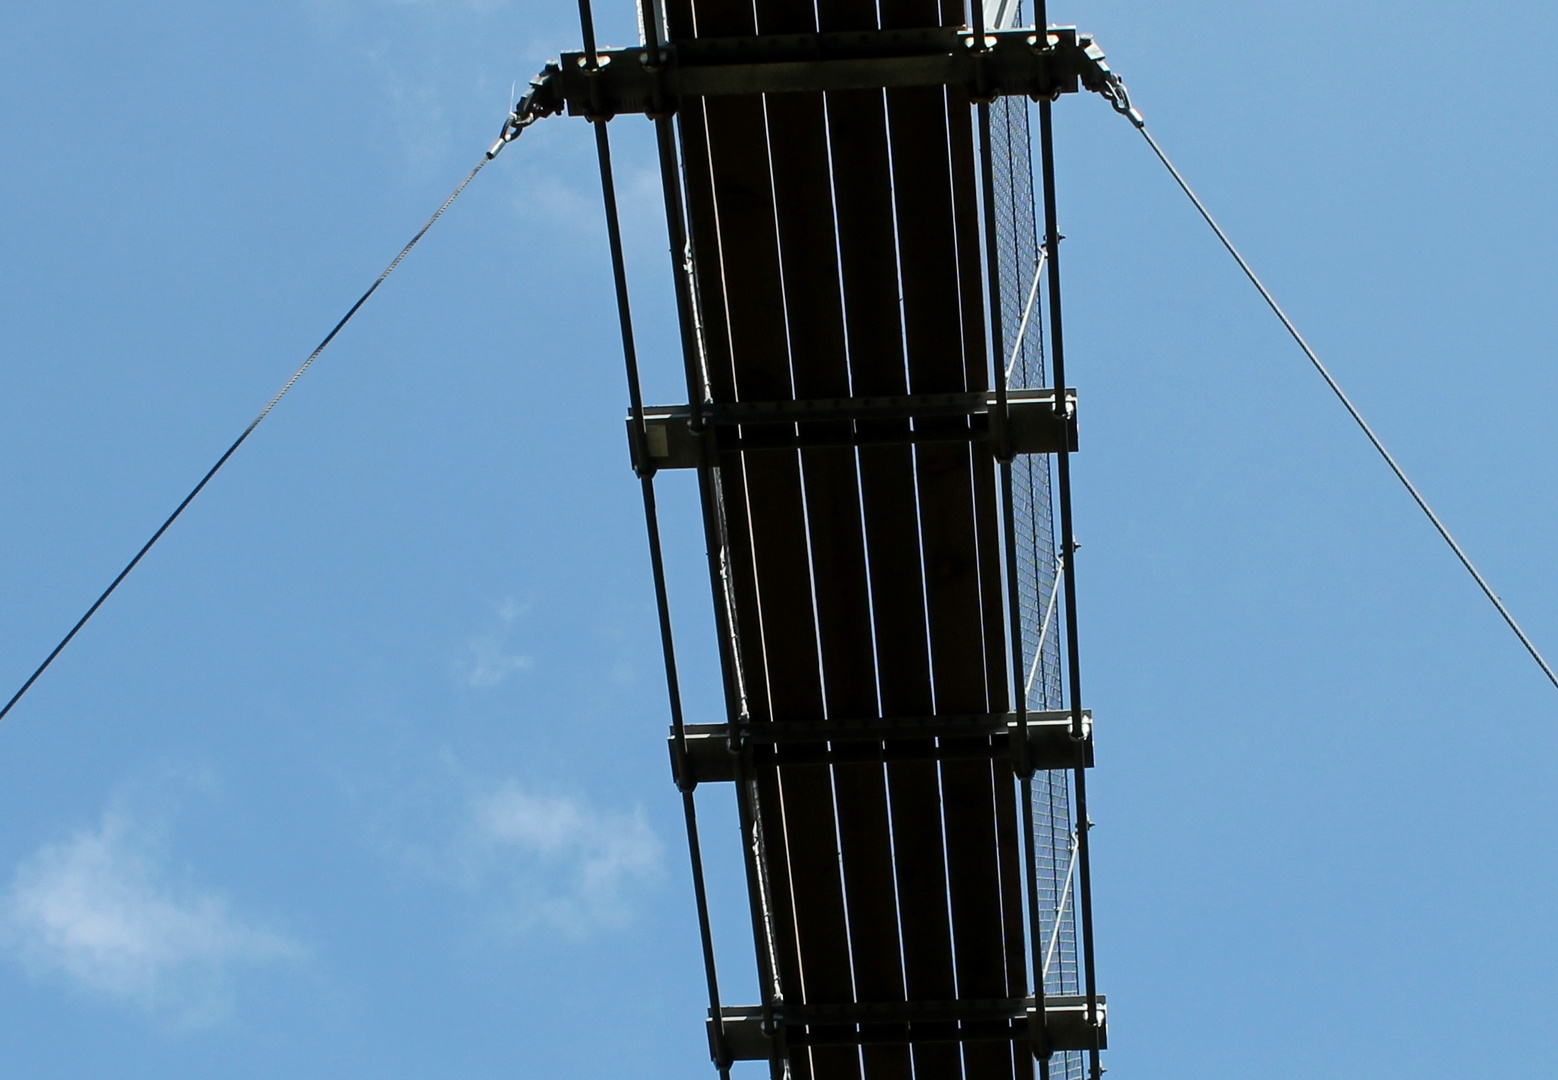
x=1033, y=426
x=1004, y=62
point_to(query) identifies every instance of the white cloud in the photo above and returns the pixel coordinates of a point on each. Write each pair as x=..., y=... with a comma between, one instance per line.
x=490, y=661
x=95, y=912
x=570, y=865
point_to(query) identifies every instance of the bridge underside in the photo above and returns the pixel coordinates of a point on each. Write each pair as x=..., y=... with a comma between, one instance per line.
x=845, y=430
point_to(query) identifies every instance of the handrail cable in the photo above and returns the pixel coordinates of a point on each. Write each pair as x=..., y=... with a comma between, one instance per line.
x=1117, y=96
x=1049, y=611
x=512, y=128
x=1027, y=312
x=1060, y=906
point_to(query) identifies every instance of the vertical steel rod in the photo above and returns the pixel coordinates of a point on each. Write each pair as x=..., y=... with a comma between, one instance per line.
x=713, y=542
x=587, y=32
x=1041, y=23
x=1068, y=547
x=998, y=425
x=684, y=282
x=748, y=811
x=657, y=564
x=656, y=556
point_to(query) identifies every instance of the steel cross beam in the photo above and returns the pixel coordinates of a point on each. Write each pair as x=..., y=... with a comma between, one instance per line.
x=711, y=756
x=865, y=1024
x=633, y=81
x=1034, y=425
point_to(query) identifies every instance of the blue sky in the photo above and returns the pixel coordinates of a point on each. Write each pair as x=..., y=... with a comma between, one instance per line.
x=362, y=773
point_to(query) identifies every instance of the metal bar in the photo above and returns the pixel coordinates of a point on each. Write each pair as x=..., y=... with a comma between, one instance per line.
x=1049, y=611
x=1000, y=62
x=863, y=194
x=734, y=594
x=874, y=407
x=998, y=416
x=874, y=729
x=926, y=277
x=1041, y=1046
x=1050, y=746
x=796, y=806
x=1060, y=908
x=1002, y=1020
x=1068, y=547
x=587, y=35
x=765, y=933
x=861, y=206
x=1027, y=310
x=724, y=586
x=646, y=479
x=672, y=443
x=672, y=449
x=959, y=528
x=1041, y=21
x=721, y=1051
x=649, y=18
x=684, y=283
x=808, y=228
x=859, y=850
x=719, y=1047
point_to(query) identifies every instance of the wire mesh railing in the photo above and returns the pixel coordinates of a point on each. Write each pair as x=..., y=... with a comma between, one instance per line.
x=1020, y=254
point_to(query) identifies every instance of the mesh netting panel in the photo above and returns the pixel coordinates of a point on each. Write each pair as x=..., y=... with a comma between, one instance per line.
x=1018, y=233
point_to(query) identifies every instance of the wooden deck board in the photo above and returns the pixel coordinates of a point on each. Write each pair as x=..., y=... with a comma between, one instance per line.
x=837, y=250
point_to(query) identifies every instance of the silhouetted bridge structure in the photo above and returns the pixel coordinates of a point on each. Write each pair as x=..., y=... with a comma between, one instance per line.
x=880, y=448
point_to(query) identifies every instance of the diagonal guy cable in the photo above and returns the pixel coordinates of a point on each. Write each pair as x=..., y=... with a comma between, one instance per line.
x=1336, y=389
x=296, y=375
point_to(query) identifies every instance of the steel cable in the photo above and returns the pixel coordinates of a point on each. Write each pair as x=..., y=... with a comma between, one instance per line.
x=1352, y=410
x=510, y=132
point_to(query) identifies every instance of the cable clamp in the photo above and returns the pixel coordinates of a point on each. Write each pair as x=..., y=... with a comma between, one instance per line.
x=1120, y=99
x=540, y=101
x=1097, y=77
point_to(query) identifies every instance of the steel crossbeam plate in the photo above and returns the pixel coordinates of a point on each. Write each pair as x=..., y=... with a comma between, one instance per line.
x=1033, y=427
x=1051, y=744
x=1012, y=62
x=864, y=1024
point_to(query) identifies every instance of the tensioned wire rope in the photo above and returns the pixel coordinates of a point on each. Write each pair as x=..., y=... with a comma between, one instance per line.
x=1114, y=91
x=518, y=120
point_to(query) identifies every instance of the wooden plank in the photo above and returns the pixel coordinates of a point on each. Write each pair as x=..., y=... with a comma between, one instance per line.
x=769, y=233
x=992, y=905
x=704, y=235
x=1013, y=917
x=941, y=327
x=868, y=245
x=798, y=801
x=804, y=189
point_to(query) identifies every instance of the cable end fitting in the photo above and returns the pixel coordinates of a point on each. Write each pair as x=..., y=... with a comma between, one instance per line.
x=540, y=101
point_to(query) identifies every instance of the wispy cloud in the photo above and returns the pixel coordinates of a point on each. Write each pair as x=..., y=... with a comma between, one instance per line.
x=571, y=864
x=490, y=662
x=441, y=66
x=489, y=659
x=97, y=913
x=528, y=859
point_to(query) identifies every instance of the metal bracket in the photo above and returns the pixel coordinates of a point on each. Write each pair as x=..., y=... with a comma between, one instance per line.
x=1034, y=426
x=1018, y=61
x=861, y=1024
x=711, y=756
